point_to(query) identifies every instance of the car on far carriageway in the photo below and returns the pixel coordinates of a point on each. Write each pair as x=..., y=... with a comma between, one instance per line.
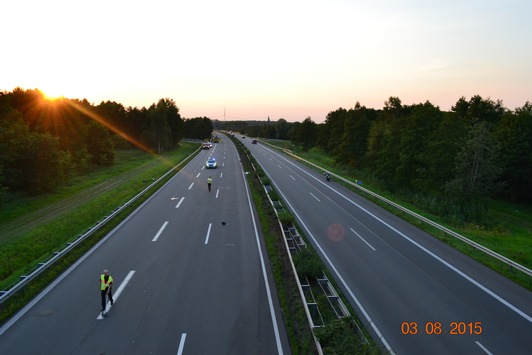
x=254, y=141
x=211, y=163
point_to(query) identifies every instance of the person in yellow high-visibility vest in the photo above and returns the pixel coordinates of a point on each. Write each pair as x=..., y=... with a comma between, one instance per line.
x=209, y=182
x=106, y=288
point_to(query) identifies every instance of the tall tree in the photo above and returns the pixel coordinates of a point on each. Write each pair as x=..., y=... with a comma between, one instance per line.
x=478, y=108
x=307, y=134
x=99, y=144
x=476, y=166
x=42, y=164
x=354, y=141
x=166, y=126
x=514, y=136
x=281, y=129
x=198, y=128
x=414, y=155
x=14, y=142
x=444, y=142
x=332, y=130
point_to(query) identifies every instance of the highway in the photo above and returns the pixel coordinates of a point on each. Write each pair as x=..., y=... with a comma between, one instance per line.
x=415, y=294
x=191, y=276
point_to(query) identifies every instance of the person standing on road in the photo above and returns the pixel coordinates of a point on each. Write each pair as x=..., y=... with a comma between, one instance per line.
x=106, y=288
x=209, y=183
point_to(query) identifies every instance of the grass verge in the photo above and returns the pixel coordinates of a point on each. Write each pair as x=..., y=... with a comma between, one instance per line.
x=508, y=232
x=346, y=339
x=299, y=333
x=19, y=254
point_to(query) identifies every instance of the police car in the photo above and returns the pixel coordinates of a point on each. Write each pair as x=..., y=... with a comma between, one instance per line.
x=211, y=163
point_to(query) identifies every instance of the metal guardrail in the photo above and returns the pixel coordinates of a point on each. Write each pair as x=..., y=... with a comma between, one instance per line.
x=446, y=230
x=24, y=280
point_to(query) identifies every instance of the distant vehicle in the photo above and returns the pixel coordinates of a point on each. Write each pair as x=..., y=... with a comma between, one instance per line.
x=207, y=145
x=243, y=137
x=254, y=141
x=211, y=163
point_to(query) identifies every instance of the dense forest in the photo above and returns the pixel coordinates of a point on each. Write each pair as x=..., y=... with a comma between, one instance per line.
x=44, y=143
x=448, y=162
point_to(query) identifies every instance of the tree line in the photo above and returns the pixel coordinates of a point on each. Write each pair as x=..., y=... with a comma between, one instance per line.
x=447, y=161
x=44, y=143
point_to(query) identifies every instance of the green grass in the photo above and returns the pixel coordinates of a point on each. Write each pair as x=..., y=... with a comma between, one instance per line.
x=24, y=247
x=293, y=309
x=131, y=170
x=16, y=302
x=299, y=333
x=126, y=160
x=508, y=233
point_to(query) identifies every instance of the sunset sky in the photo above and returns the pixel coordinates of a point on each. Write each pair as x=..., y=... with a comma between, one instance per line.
x=283, y=59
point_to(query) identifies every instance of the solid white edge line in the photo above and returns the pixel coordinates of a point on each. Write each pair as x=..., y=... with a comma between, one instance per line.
x=181, y=344
x=4, y=327
x=160, y=231
x=117, y=293
x=359, y=305
x=179, y=203
x=483, y=348
x=208, y=233
x=263, y=267
x=364, y=240
x=459, y=272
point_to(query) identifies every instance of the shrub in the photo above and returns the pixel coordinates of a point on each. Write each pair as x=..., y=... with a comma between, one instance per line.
x=285, y=217
x=308, y=264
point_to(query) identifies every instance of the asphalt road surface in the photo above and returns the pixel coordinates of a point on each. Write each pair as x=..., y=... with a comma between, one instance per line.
x=190, y=277
x=415, y=294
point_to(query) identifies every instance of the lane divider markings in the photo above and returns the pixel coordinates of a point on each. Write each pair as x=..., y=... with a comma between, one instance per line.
x=159, y=232
x=117, y=293
x=364, y=240
x=181, y=344
x=179, y=203
x=484, y=348
x=311, y=194
x=191, y=186
x=208, y=233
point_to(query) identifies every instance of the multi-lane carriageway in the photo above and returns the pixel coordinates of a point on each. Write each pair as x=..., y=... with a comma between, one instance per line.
x=414, y=293
x=191, y=277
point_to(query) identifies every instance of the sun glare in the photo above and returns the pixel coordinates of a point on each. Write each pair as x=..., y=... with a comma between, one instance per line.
x=51, y=96
x=51, y=93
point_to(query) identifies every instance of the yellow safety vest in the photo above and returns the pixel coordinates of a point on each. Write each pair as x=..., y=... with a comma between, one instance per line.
x=209, y=180
x=104, y=285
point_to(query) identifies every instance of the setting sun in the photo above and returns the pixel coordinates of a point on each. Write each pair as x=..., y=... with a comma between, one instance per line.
x=52, y=95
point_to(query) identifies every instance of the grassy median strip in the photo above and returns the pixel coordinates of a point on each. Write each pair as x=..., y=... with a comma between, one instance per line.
x=337, y=336
x=299, y=332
